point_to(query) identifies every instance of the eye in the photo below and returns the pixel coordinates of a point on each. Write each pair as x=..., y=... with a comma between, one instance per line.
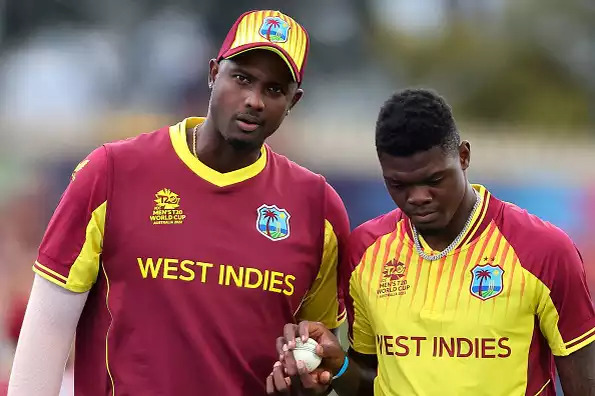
x=435, y=181
x=276, y=90
x=395, y=185
x=240, y=78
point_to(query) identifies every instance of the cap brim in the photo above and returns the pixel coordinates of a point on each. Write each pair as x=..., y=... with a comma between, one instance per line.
x=295, y=74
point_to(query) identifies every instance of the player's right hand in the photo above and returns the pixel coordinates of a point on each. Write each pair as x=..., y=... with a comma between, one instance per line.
x=314, y=383
x=328, y=348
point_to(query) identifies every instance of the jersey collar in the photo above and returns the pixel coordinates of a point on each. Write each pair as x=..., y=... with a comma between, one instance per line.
x=177, y=134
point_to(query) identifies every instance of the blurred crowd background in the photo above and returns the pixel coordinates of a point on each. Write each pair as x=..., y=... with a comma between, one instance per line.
x=519, y=75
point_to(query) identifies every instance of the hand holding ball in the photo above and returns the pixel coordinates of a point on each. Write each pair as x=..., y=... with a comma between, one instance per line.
x=306, y=352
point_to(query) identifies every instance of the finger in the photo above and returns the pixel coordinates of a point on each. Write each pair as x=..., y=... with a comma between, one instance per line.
x=308, y=380
x=289, y=332
x=304, y=330
x=281, y=348
x=319, y=350
x=270, y=387
x=290, y=364
x=279, y=379
x=325, y=377
x=320, y=332
x=329, y=349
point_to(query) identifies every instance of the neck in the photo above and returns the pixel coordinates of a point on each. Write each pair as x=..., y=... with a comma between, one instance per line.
x=218, y=154
x=440, y=239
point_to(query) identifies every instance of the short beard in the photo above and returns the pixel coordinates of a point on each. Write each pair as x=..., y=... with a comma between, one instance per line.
x=429, y=230
x=242, y=145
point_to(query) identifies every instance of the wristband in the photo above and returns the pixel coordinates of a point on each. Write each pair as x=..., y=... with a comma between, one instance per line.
x=343, y=368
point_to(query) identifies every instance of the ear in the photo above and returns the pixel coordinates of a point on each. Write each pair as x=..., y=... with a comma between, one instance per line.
x=214, y=67
x=296, y=98
x=465, y=154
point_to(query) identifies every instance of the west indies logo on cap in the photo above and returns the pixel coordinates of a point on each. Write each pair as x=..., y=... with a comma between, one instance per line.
x=274, y=29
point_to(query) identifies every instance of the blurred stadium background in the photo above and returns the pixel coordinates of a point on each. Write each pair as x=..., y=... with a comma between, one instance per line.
x=520, y=77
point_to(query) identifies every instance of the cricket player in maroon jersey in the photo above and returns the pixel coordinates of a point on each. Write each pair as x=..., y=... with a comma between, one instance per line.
x=179, y=255
x=456, y=292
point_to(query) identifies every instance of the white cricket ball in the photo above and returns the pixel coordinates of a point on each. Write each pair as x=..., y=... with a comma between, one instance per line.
x=306, y=352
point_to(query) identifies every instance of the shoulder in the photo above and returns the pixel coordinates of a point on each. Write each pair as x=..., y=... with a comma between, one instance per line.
x=290, y=170
x=306, y=181
x=526, y=231
x=89, y=177
x=366, y=234
x=293, y=177
x=140, y=143
x=541, y=247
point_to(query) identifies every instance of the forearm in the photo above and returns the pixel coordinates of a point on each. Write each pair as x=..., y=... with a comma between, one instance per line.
x=577, y=372
x=578, y=387
x=356, y=381
x=45, y=340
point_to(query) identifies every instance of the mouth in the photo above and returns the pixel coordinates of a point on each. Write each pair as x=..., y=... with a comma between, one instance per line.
x=424, y=217
x=248, y=123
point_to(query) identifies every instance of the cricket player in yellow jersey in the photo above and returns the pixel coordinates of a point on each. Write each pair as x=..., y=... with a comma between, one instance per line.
x=455, y=292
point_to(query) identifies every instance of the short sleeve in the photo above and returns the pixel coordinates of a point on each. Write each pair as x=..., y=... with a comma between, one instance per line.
x=361, y=332
x=323, y=302
x=70, y=250
x=565, y=308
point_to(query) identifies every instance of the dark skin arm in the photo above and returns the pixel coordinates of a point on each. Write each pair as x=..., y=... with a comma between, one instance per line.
x=577, y=372
x=358, y=380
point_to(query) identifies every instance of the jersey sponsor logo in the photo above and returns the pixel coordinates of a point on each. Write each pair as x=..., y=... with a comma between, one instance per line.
x=274, y=29
x=443, y=347
x=273, y=222
x=392, y=281
x=167, y=208
x=80, y=166
x=486, y=281
x=223, y=274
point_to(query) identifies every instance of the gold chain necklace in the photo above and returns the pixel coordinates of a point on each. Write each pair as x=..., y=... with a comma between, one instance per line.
x=194, y=133
x=449, y=248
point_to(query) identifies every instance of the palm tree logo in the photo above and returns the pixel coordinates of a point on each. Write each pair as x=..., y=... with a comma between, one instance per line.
x=269, y=215
x=274, y=29
x=482, y=275
x=486, y=281
x=273, y=222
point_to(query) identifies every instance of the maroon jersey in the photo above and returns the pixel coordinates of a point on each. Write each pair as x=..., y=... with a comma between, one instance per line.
x=192, y=273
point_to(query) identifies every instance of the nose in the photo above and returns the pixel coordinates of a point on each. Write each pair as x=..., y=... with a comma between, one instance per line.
x=419, y=196
x=254, y=99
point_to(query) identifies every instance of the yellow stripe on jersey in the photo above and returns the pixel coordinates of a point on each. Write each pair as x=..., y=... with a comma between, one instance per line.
x=109, y=373
x=84, y=270
x=580, y=342
x=178, y=138
x=543, y=387
x=320, y=303
x=49, y=275
x=51, y=272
